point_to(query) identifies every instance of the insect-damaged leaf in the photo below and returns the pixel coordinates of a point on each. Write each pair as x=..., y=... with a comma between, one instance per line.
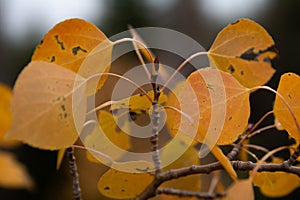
x=12, y=173
x=42, y=106
x=76, y=45
x=289, y=87
x=126, y=183
x=245, y=50
x=276, y=184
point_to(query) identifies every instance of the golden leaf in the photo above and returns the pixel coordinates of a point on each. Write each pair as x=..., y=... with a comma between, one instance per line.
x=245, y=50
x=42, y=106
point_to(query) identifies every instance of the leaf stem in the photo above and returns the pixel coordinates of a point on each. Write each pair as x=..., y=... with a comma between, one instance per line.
x=74, y=174
x=284, y=101
x=181, y=66
x=135, y=41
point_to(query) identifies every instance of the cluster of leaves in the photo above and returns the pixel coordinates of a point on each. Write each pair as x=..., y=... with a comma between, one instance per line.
x=240, y=59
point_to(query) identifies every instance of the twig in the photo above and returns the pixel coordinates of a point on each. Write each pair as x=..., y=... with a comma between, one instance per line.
x=155, y=120
x=74, y=174
x=151, y=191
x=185, y=193
x=292, y=159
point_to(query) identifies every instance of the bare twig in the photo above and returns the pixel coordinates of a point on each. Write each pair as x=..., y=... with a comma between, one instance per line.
x=74, y=174
x=185, y=193
x=155, y=119
x=294, y=156
x=151, y=191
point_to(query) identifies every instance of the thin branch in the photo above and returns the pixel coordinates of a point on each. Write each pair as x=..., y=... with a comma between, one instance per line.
x=260, y=121
x=261, y=130
x=292, y=159
x=185, y=193
x=155, y=120
x=74, y=174
x=206, y=169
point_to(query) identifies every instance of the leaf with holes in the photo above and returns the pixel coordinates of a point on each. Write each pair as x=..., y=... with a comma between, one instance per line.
x=126, y=180
x=76, y=45
x=276, y=184
x=108, y=139
x=245, y=50
x=289, y=87
x=42, y=106
x=12, y=173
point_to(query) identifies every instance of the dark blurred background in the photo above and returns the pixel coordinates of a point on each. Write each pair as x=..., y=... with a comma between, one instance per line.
x=23, y=24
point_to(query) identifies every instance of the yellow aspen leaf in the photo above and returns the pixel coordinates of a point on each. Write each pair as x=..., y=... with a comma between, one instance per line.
x=192, y=182
x=12, y=173
x=42, y=106
x=241, y=189
x=289, y=87
x=276, y=184
x=138, y=102
x=224, y=110
x=217, y=152
x=108, y=139
x=223, y=104
x=76, y=45
x=128, y=182
x=244, y=49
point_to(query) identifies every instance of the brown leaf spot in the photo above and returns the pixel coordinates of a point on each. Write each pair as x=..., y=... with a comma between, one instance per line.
x=231, y=69
x=60, y=43
x=76, y=49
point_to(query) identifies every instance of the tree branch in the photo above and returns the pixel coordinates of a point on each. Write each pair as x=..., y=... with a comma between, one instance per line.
x=151, y=191
x=294, y=156
x=185, y=193
x=74, y=174
x=155, y=120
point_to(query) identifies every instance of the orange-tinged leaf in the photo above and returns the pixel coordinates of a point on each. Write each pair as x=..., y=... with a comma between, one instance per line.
x=244, y=49
x=76, y=45
x=128, y=183
x=109, y=139
x=42, y=106
x=241, y=189
x=276, y=184
x=12, y=173
x=223, y=104
x=289, y=87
